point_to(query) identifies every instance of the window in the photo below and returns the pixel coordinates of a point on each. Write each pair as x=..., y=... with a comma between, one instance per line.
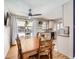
x=59, y=25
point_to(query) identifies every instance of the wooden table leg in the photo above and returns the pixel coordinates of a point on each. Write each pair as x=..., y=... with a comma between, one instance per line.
x=51, y=54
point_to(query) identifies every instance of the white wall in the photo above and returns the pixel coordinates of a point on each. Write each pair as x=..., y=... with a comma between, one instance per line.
x=6, y=40
x=65, y=44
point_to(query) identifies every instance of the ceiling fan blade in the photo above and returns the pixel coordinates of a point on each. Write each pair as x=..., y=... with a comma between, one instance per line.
x=36, y=14
x=30, y=13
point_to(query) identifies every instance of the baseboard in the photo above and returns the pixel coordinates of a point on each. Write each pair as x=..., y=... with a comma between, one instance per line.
x=7, y=53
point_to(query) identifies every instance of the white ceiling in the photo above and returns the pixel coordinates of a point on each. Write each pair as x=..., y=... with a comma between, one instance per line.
x=45, y=7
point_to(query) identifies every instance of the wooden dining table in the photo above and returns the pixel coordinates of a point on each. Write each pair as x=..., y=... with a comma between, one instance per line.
x=29, y=47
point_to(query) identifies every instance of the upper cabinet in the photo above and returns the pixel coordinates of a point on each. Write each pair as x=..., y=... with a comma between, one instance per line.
x=57, y=13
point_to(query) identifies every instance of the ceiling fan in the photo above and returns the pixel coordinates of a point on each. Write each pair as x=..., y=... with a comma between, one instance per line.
x=30, y=13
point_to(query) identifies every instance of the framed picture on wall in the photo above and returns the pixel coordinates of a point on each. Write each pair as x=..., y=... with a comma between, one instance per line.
x=6, y=16
x=64, y=31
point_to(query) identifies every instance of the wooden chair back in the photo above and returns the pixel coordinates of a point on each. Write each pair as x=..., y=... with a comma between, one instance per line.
x=44, y=46
x=20, y=56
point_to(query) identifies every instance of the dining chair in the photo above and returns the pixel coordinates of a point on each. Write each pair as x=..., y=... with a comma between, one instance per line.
x=45, y=49
x=21, y=55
